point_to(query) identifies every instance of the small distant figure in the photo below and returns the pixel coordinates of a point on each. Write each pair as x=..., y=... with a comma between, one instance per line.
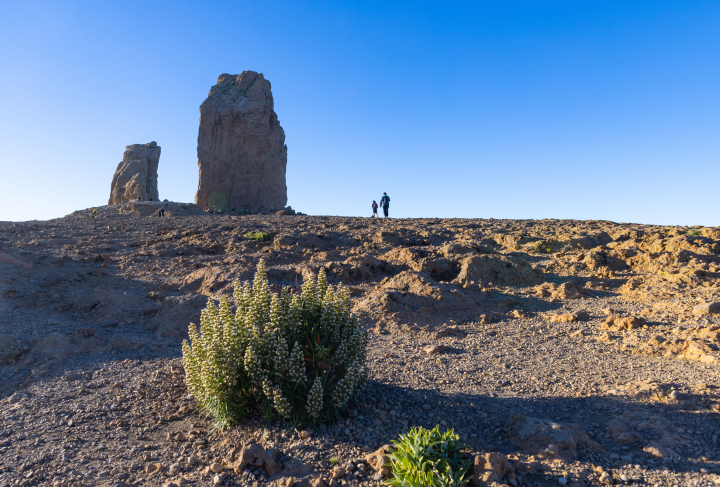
x=162, y=210
x=385, y=203
x=374, y=207
x=139, y=198
x=94, y=213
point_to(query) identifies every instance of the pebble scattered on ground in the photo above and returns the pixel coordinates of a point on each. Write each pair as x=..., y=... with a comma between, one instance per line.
x=577, y=353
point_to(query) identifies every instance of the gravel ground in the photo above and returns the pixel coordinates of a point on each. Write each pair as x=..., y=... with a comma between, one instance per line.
x=92, y=312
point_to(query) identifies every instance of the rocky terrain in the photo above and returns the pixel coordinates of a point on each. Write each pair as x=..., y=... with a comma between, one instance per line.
x=137, y=174
x=241, y=149
x=562, y=352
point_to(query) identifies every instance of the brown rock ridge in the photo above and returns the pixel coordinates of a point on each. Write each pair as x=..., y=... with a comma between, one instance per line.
x=136, y=176
x=241, y=146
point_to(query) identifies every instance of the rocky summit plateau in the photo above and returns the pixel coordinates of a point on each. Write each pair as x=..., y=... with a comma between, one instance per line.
x=563, y=352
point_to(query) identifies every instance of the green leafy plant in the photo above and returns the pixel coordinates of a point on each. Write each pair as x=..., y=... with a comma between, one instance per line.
x=259, y=236
x=694, y=232
x=334, y=461
x=429, y=458
x=541, y=247
x=217, y=202
x=265, y=435
x=298, y=357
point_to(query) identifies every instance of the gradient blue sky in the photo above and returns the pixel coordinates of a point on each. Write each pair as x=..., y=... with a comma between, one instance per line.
x=507, y=109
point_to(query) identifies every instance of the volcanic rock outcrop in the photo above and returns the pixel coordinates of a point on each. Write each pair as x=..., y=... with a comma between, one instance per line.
x=136, y=176
x=242, y=154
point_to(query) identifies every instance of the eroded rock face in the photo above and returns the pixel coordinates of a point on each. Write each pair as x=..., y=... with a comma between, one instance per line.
x=136, y=176
x=241, y=146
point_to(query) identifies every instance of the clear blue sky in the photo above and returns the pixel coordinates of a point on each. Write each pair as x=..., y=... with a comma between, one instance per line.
x=506, y=109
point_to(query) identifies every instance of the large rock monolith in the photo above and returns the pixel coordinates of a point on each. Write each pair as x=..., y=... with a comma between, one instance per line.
x=136, y=176
x=242, y=154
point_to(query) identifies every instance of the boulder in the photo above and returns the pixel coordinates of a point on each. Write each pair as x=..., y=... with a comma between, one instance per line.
x=271, y=464
x=446, y=332
x=567, y=290
x=520, y=314
x=625, y=323
x=569, y=317
x=659, y=451
x=436, y=349
x=621, y=433
x=559, y=440
x=153, y=468
x=492, y=467
x=241, y=149
x=136, y=176
x=294, y=467
x=380, y=461
x=251, y=454
x=707, y=308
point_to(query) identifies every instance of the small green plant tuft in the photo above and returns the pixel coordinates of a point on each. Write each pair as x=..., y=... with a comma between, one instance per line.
x=694, y=232
x=334, y=460
x=265, y=436
x=298, y=357
x=259, y=236
x=541, y=247
x=429, y=458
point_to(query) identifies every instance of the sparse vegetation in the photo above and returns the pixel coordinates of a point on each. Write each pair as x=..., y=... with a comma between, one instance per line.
x=694, y=232
x=259, y=236
x=541, y=247
x=625, y=267
x=297, y=357
x=217, y=202
x=429, y=458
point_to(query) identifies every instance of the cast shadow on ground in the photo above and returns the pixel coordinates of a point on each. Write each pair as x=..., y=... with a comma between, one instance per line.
x=686, y=425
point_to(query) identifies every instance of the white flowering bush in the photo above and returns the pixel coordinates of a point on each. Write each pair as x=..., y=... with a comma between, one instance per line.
x=299, y=357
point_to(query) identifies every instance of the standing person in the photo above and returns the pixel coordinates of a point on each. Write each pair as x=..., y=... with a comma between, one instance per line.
x=385, y=203
x=374, y=207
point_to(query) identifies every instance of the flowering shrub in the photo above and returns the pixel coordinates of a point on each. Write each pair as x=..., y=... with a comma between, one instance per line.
x=298, y=357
